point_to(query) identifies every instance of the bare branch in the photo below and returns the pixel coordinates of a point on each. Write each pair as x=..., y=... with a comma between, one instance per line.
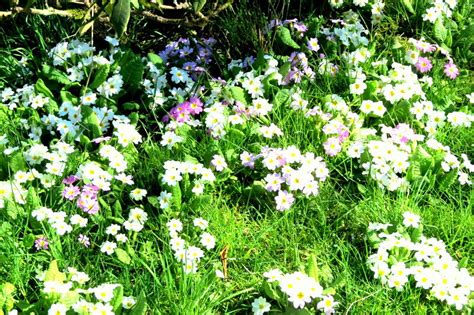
x=75, y=14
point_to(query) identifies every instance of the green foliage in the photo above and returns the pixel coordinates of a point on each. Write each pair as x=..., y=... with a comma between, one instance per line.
x=120, y=16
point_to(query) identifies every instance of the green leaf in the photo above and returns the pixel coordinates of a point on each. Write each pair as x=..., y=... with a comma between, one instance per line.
x=13, y=210
x=55, y=75
x=281, y=98
x=70, y=298
x=290, y=310
x=29, y=241
x=284, y=69
x=130, y=106
x=92, y=122
x=101, y=75
x=447, y=180
x=17, y=162
x=312, y=268
x=53, y=273
x=153, y=200
x=176, y=197
x=271, y=291
x=117, y=300
x=123, y=256
x=117, y=208
x=155, y=59
x=198, y=5
x=120, y=16
x=67, y=96
x=329, y=291
x=440, y=32
x=140, y=307
x=200, y=202
x=408, y=5
x=6, y=297
x=135, y=4
x=32, y=199
x=284, y=35
x=41, y=87
x=131, y=69
x=417, y=233
x=238, y=94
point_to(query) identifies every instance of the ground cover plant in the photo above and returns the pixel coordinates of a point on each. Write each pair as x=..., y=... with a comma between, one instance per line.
x=327, y=172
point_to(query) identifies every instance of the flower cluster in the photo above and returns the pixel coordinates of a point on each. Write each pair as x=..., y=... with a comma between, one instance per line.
x=439, y=9
x=190, y=255
x=423, y=64
x=301, y=290
x=389, y=156
x=175, y=170
x=405, y=255
x=289, y=172
x=67, y=292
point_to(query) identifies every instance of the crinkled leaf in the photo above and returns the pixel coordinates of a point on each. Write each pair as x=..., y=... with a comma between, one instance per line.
x=123, y=256
x=29, y=241
x=447, y=180
x=32, y=199
x=70, y=298
x=153, y=200
x=140, y=307
x=17, y=162
x=6, y=296
x=440, y=32
x=117, y=300
x=281, y=98
x=131, y=69
x=101, y=75
x=200, y=202
x=54, y=74
x=176, y=197
x=238, y=94
x=312, y=268
x=417, y=233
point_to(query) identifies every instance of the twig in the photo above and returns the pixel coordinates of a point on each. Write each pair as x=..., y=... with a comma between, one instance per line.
x=160, y=19
x=75, y=14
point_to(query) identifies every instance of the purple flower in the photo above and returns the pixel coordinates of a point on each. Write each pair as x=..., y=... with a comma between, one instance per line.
x=87, y=204
x=71, y=192
x=451, y=70
x=209, y=41
x=423, y=65
x=343, y=134
x=189, y=66
x=70, y=180
x=185, y=51
x=41, y=243
x=195, y=105
x=90, y=189
x=300, y=27
x=84, y=240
